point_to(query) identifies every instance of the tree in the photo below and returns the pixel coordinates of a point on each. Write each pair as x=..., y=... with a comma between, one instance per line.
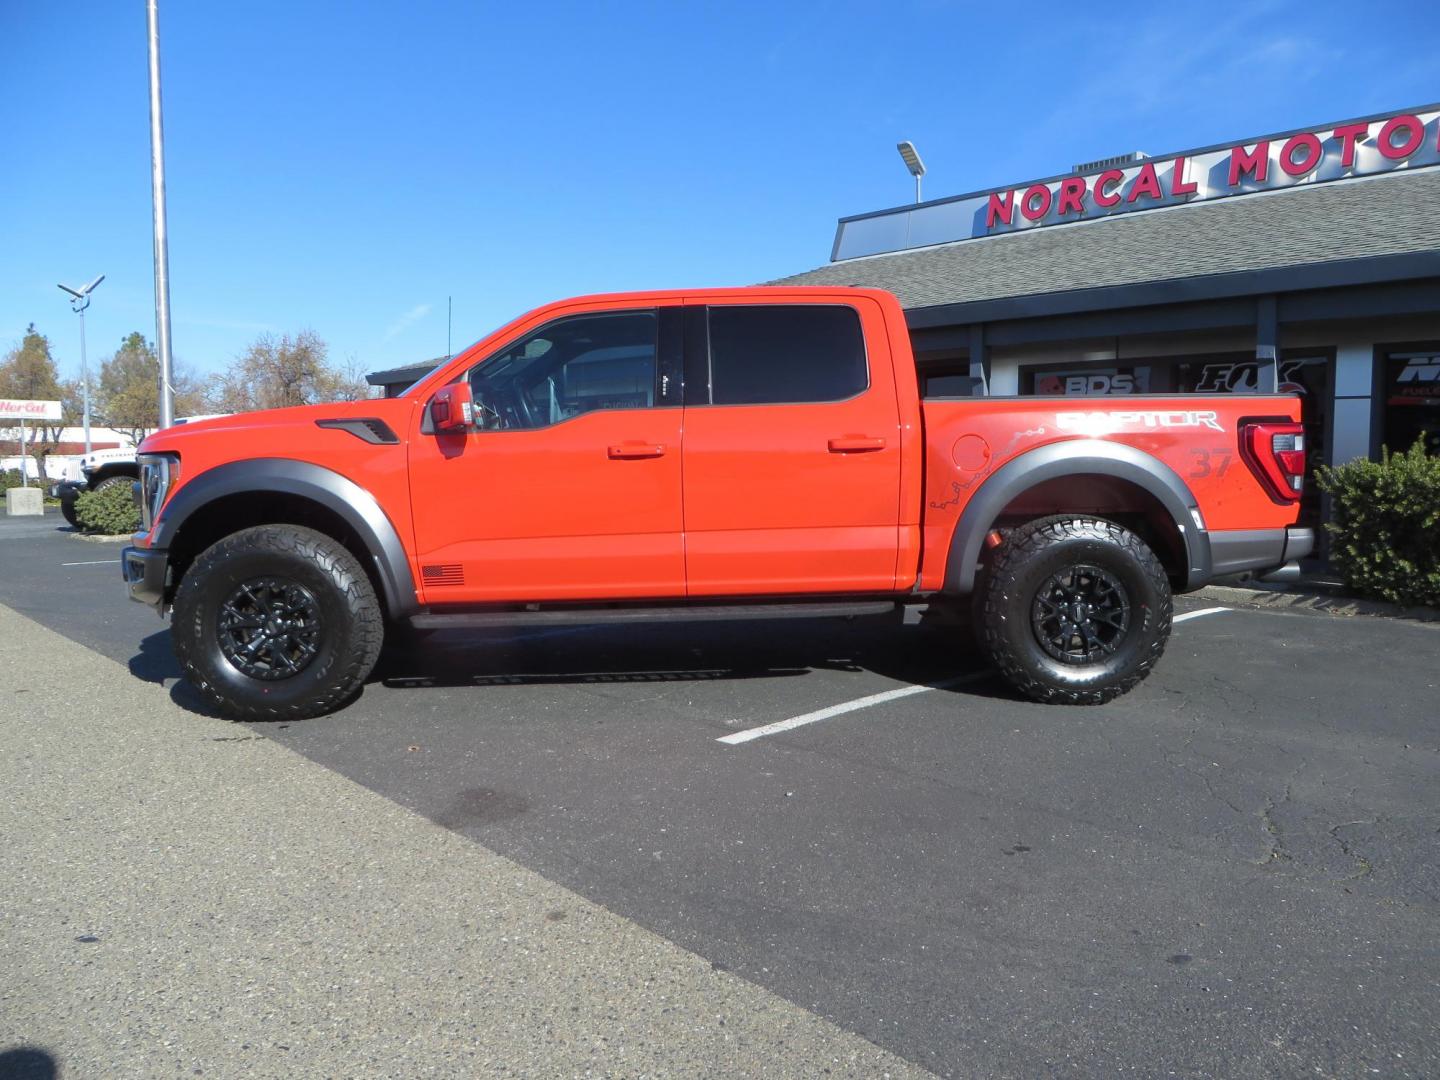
x=28, y=371
x=128, y=395
x=274, y=373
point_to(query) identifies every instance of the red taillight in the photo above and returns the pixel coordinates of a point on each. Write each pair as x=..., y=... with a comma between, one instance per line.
x=1275, y=452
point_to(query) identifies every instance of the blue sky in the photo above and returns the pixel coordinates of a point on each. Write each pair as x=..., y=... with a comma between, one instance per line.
x=344, y=167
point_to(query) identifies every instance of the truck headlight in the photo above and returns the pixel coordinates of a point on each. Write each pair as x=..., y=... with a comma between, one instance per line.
x=158, y=473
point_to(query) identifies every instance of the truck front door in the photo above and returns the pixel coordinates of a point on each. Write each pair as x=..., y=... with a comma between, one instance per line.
x=567, y=486
x=792, y=450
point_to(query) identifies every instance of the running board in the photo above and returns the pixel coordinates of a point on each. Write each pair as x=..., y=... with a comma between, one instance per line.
x=470, y=620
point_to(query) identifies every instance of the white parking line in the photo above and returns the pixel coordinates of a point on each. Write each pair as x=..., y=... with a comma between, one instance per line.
x=1197, y=614
x=97, y=562
x=794, y=722
x=848, y=706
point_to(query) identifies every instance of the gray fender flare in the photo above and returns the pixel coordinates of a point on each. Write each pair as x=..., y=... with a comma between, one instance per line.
x=347, y=499
x=1075, y=457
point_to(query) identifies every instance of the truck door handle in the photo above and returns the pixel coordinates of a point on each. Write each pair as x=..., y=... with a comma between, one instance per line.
x=855, y=444
x=636, y=450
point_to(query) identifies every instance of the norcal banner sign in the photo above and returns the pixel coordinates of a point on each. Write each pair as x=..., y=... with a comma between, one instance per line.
x=1377, y=144
x=21, y=409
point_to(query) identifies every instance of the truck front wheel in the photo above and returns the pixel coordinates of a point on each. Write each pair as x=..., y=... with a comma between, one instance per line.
x=276, y=622
x=1074, y=610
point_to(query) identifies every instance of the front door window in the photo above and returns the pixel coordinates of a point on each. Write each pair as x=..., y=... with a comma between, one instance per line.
x=566, y=368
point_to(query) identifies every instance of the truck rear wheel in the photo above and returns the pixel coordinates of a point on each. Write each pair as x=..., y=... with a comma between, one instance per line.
x=1074, y=610
x=277, y=622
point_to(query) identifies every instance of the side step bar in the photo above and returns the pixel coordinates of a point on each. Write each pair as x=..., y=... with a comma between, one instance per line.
x=538, y=616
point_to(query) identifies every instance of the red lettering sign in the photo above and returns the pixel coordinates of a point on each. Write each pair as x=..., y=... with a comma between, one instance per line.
x=1072, y=196
x=1307, y=142
x=1255, y=161
x=1001, y=208
x=1349, y=135
x=1147, y=183
x=1108, y=178
x=1035, y=203
x=1414, y=136
x=1178, y=184
x=1298, y=157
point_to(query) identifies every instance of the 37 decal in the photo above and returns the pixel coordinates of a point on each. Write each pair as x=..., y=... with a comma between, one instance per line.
x=1210, y=462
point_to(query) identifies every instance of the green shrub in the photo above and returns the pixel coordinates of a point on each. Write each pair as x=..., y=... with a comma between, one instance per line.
x=1386, y=524
x=10, y=478
x=110, y=511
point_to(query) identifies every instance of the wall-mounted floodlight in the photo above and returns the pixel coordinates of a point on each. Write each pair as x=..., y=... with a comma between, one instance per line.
x=912, y=162
x=79, y=301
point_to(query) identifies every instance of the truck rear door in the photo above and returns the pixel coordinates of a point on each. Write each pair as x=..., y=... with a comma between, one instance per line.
x=791, y=451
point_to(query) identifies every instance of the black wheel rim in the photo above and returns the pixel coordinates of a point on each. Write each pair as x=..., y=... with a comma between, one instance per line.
x=1081, y=615
x=269, y=628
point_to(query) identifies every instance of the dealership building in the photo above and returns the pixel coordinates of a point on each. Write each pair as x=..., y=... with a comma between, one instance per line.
x=1307, y=260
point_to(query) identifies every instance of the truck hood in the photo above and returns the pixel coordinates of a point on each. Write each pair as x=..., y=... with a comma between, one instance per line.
x=268, y=427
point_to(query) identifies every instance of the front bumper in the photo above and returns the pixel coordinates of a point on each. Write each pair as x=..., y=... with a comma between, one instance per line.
x=145, y=571
x=67, y=490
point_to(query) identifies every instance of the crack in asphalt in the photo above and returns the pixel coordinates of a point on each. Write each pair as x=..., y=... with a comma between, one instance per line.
x=1365, y=866
x=1276, y=851
x=1169, y=757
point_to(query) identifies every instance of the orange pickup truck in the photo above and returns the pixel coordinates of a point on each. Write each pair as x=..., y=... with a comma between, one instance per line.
x=726, y=454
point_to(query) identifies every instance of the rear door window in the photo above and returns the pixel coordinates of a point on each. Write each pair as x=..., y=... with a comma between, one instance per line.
x=785, y=354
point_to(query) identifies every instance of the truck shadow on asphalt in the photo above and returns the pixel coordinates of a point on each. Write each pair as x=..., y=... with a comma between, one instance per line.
x=683, y=653
x=580, y=655
x=27, y=1063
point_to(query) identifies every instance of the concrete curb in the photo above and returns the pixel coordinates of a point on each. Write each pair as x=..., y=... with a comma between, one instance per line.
x=101, y=538
x=1303, y=601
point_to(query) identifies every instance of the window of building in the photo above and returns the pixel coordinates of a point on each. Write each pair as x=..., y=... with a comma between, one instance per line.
x=781, y=354
x=1412, y=399
x=1091, y=380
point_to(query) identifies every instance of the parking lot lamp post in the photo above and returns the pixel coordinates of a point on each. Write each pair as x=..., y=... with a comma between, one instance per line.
x=79, y=301
x=162, y=245
x=912, y=162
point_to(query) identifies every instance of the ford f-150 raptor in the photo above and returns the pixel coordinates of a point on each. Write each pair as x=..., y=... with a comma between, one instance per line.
x=723, y=454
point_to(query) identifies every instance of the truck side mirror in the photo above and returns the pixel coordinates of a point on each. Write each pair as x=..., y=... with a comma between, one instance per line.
x=451, y=409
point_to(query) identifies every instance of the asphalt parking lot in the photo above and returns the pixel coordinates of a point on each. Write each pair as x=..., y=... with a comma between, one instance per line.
x=1234, y=870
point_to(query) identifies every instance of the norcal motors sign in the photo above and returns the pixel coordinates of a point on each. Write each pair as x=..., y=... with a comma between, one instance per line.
x=23, y=409
x=1402, y=140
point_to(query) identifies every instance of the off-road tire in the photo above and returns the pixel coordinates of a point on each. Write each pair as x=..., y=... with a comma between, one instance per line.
x=350, y=623
x=1022, y=566
x=67, y=508
x=118, y=480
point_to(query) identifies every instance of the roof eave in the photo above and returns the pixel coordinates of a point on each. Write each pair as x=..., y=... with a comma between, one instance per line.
x=1339, y=273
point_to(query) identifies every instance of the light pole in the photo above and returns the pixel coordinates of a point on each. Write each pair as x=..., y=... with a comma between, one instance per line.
x=912, y=162
x=79, y=301
x=162, y=247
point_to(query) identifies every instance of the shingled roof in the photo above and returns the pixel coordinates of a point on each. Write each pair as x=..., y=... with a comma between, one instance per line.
x=1393, y=214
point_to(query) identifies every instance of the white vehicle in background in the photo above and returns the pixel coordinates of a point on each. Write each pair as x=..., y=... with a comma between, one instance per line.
x=102, y=469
